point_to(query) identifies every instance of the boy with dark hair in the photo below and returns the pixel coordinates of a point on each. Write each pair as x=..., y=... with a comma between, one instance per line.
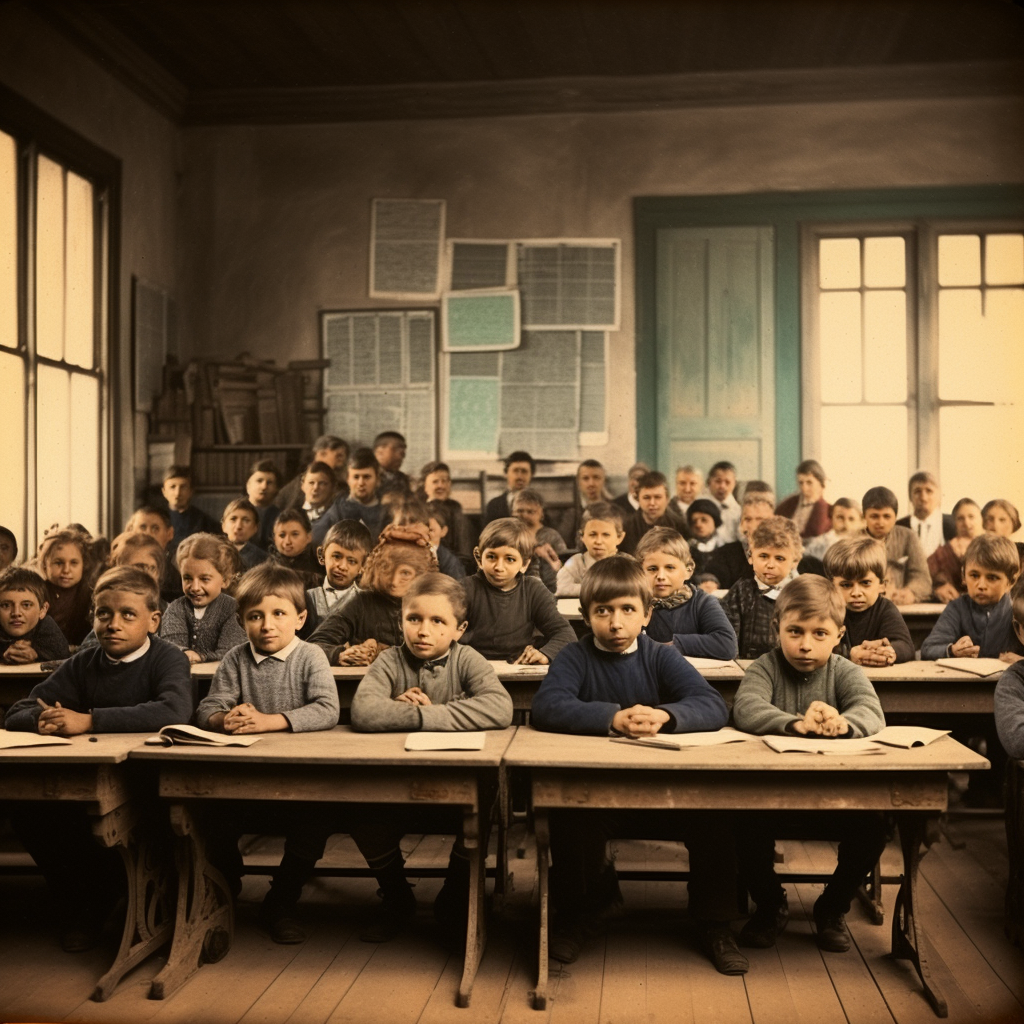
x=363, y=500
x=342, y=555
x=618, y=681
x=721, y=484
x=317, y=489
x=261, y=487
x=156, y=522
x=240, y=524
x=293, y=546
x=703, y=519
x=802, y=687
x=332, y=451
x=876, y=633
x=186, y=518
x=8, y=547
x=26, y=634
x=389, y=450
x=519, y=471
x=652, y=497
x=506, y=608
x=907, y=569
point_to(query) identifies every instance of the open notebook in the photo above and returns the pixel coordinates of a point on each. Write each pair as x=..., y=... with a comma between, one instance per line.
x=171, y=735
x=679, y=741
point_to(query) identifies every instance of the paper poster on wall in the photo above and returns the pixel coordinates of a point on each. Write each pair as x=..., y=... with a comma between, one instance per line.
x=480, y=321
x=569, y=284
x=477, y=264
x=406, y=245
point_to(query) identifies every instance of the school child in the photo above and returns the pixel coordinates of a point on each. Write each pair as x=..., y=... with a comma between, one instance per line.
x=688, y=485
x=704, y=519
x=601, y=534
x=66, y=563
x=241, y=523
x=803, y=687
x=927, y=521
x=946, y=563
x=528, y=507
x=846, y=521
x=356, y=632
x=721, y=484
x=750, y=604
x=274, y=683
x=26, y=633
x=730, y=562
x=132, y=682
x=876, y=633
x=629, y=501
x=707, y=581
x=808, y=508
x=652, y=496
x=294, y=548
x=980, y=623
x=684, y=616
x=8, y=547
x=342, y=555
x=156, y=522
x=430, y=682
x=1001, y=517
x=907, y=571
x=508, y=609
x=1009, y=695
x=317, y=490
x=186, y=518
x=328, y=449
x=519, y=471
x=389, y=450
x=438, y=524
x=436, y=486
x=261, y=487
x=204, y=621
x=619, y=681
x=589, y=488
x=363, y=501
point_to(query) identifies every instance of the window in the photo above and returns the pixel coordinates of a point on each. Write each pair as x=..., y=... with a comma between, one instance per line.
x=53, y=355
x=914, y=353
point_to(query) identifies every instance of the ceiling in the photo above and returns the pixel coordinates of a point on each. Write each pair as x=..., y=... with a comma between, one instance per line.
x=272, y=60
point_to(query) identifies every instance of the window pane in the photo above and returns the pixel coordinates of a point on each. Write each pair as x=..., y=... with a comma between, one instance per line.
x=12, y=430
x=839, y=262
x=1004, y=259
x=85, y=450
x=50, y=260
x=840, y=347
x=959, y=260
x=885, y=346
x=53, y=427
x=79, y=282
x=849, y=433
x=8, y=242
x=885, y=262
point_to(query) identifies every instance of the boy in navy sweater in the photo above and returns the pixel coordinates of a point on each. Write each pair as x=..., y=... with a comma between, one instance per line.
x=620, y=682
x=26, y=634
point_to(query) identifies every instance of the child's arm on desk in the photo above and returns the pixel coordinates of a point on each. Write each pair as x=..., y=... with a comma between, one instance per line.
x=948, y=630
x=548, y=622
x=65, y=687
x=21, y=652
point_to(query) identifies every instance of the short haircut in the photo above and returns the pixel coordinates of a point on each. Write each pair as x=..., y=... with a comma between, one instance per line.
x=527, y=496
x=329, y=443
x=268, y=466
x=758, y=498
x=221, y=554
x=721, y=467
x=387, y=556
x=922, y=476
x=319, y=467
x=811, y=595
x=616, y=576
x=241, y=505
x=1017, y=601
x=852, y=557
x=995, y=553
x=688, y=469
x=153, y=510
x=851, y=503
x=757, y=487
x=18, y=578
x=705, y=577
x=407, y=511
x=293, y=515
x=135, y=543
x=880, y=497
x=350, y=534
x=177, y=470
x=603, y=511
x=664, y=538
x=438, y=511
x=386, y=437
x=363, y=458
x=270, y=579
x=132, y=580
x=652, y=479
x=4, y=532
x=425, y=471
x=507, y=533
x=521, y=456
x=777, y=532
x=1009, y=508
x=437, y=584
x=589, y=464
x=965, y=501
x=811, y=467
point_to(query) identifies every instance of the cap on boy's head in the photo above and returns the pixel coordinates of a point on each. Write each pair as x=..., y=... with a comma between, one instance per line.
x=436, y=584
x=777, y=532
x=852, y=557
x=132, y=580
x=17, y=578
x=880, y=497
x=811, y=596
x=617, y=576
x=350, y=534
x=708, y=507
x=521, y=456
x=270, y=578
x=507, y=533
x=994, y=553
x=363, y=458
x=177, y=470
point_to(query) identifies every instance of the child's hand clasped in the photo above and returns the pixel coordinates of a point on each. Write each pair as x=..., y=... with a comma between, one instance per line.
x=414, y=695
x=244, y=718
x=874, y=653
x=821, y=719
x=531, y=656
x=360, y=654
x=965, y=647
x=639, y=720
x=21, y=652
x=58, y=721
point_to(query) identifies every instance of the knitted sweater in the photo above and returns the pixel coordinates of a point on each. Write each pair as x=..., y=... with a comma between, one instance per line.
x=46, y=639
x=585, y=687
x=750, y=614
x=698, y=627
x=344, y=507
x=773, y=695
x=212, y=636
x=464, y=693
x=907, y=565
x=1009, y=710
x=370, y=615
x=301, y=687
x=251, y=555
x=991, y=628
x=882, y=620
x=142, y=695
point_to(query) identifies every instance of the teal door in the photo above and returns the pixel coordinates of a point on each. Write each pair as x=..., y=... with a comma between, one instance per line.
x=715, y=349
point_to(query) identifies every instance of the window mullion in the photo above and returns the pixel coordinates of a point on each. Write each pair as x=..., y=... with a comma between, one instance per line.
x=927, y=340
x=29, y=170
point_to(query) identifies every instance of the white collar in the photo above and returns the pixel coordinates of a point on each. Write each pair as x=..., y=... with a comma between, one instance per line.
x=935, y=519
x=607, y=650
x=134, y=656
x=281, y=655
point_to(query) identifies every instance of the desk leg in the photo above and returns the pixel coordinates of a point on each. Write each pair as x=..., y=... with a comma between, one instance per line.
x=205, y=919
x=543, y=838
x=474, y=836
x=148, y=920
x=502, y=876
x=870, y=894
x=908, y=939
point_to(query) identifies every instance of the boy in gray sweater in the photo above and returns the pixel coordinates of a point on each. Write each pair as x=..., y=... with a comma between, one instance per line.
x=430, y=682
x=274, y=683
x=802, y=687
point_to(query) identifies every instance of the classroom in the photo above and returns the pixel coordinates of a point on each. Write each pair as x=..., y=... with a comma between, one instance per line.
x=776, y=243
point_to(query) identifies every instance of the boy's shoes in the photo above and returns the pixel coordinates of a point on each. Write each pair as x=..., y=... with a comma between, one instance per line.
x=565, y=939
x=719, y=943
x=764, y=926
x=390, y=917
x=282, y=924
x=831, y=927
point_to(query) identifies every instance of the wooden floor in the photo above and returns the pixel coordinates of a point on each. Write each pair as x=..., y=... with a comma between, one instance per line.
x=645, y=970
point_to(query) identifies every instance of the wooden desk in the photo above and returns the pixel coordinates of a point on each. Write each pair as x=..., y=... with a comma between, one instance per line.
x=16, y=681
x=591, y=771
x=339, y=766
x=92, y=771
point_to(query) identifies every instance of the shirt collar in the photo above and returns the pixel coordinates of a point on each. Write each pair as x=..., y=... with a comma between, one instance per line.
x=629, y=650
x=281, y=655
x=134, y=656
x=418, y=663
